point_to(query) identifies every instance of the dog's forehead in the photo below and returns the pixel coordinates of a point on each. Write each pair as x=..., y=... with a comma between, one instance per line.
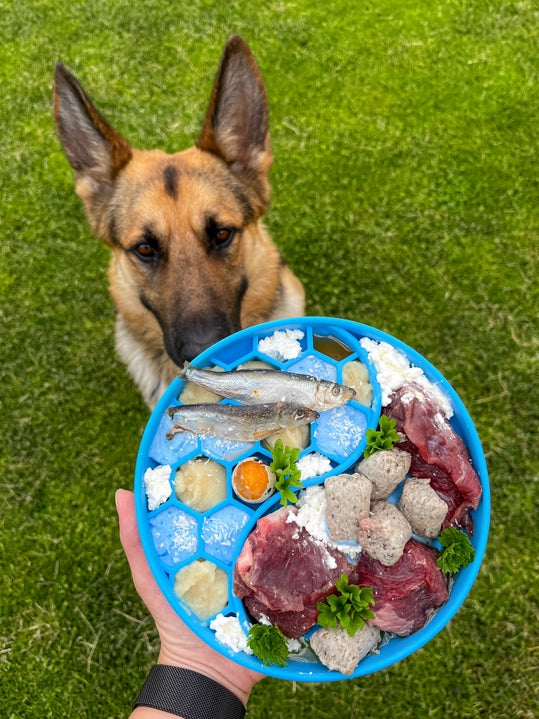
x=189, y=180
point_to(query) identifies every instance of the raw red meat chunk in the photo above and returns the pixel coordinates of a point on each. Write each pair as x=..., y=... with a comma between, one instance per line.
x=438, y=453
x=407, y=592
x=282, y=572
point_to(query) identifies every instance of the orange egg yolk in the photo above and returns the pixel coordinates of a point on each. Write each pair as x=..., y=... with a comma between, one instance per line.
x=251, y=480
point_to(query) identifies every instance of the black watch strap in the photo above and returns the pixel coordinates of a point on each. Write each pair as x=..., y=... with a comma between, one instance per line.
x=188, y=694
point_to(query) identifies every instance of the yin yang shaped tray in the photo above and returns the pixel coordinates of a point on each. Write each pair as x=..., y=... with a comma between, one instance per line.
x=174, y=535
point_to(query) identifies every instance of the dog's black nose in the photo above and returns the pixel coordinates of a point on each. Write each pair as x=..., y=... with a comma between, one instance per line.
x=185, y=340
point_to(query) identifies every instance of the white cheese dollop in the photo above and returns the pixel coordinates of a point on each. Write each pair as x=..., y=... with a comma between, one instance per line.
x=229, y=632
x=282, y=345
x=393, y=370
x=157, y=485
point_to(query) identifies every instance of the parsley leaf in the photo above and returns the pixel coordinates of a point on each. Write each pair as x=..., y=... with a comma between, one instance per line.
x=286, y=471
x=383, y=438
x=349, y=608
x=458, y=551
x=268, y=644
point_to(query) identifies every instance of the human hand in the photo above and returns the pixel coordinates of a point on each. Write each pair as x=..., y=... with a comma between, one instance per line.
x=179, y=646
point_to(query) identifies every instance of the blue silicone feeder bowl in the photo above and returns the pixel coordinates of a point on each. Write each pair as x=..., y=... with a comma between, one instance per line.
x=175, y=535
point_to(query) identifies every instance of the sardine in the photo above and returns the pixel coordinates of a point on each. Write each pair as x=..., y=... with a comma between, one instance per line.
x=239, y=423
x=271, y=386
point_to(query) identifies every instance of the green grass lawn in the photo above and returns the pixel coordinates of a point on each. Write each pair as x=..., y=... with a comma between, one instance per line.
x=404, y=196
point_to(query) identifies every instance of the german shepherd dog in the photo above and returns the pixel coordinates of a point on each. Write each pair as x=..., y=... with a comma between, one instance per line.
x=191, y=260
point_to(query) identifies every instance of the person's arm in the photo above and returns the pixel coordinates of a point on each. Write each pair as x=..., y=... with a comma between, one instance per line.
x=179, y=646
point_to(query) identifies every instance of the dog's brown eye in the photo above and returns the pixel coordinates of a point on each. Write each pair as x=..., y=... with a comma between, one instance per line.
x=220, y=236
x=145, y=252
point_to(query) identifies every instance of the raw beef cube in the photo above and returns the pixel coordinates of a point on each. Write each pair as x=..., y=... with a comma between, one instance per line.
x=286, y=569
x=406, y=593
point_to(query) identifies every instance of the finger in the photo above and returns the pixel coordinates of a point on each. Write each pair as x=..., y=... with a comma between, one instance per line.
x=143, y=578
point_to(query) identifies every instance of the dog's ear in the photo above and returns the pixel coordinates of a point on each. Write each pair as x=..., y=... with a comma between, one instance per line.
x=94, y=149
x=236, y=125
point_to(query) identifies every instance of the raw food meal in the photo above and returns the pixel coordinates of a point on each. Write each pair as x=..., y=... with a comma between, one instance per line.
x=356, y=540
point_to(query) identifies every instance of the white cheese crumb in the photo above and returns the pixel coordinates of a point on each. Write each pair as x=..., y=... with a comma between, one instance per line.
x=311, y=465
x=229, y=632
x=157, y=485
x=393, y=370
x=282, y=345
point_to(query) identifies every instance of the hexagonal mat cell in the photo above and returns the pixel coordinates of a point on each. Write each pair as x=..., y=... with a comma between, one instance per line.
x=314, y=366
x=169, y=451
x=338, y=432
x=221, y=532
x=175, y=535
x=203, y=587
x=201, y=483
x=283, y=345
x=223, y=449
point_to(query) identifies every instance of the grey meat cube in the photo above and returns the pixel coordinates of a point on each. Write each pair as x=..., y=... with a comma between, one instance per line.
x=340, y=652
x=384, y=533
x=386, y=469
x=422, y=507
x=348, y=498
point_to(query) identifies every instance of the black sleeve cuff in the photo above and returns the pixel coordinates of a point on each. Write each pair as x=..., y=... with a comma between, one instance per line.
x=188, y=694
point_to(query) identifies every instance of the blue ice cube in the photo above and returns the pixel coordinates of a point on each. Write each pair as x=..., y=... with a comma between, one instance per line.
x=221, y=531
x=314, y=366
x=339, y=431
x=225, y=449
x=169, y=451
x=175, y=535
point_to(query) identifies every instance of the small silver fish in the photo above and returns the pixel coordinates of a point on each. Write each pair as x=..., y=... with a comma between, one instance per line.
x=233, y=422
x=271, y=386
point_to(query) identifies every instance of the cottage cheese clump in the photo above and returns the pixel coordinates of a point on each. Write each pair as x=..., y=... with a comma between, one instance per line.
x=282, y=345
x=157, y=485
x=228, y=631
x=393, y=370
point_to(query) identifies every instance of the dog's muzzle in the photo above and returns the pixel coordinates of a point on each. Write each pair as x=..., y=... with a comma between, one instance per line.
x=188, y=337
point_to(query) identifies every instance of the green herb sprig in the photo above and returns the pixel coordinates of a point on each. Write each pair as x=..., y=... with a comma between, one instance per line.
x=268, y=643
x=349, y=608
x=286, y=471
x=382, y=438
x=457, y=553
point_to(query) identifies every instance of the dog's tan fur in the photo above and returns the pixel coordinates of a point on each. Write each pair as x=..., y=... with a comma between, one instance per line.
x=191, y=259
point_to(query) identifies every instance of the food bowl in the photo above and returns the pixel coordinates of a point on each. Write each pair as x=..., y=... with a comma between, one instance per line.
x=177, y=532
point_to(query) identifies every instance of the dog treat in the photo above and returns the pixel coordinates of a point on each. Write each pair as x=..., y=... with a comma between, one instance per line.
x=157, y=485
x=422, y=507
x=356, y=375
x=203, y=587
x=200, y=483
x=340, y=652
x=386, y=469
x=348, y=498
x=384, y=533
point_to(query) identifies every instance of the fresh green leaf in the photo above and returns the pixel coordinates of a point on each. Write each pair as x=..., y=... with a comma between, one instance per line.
x=458, y=551
x=286, y=471
x=268, y=643
x=382, y=438
x=350, y=607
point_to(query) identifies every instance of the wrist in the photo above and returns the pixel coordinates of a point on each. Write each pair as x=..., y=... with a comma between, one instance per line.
x=237, y=680
x=174, y=691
